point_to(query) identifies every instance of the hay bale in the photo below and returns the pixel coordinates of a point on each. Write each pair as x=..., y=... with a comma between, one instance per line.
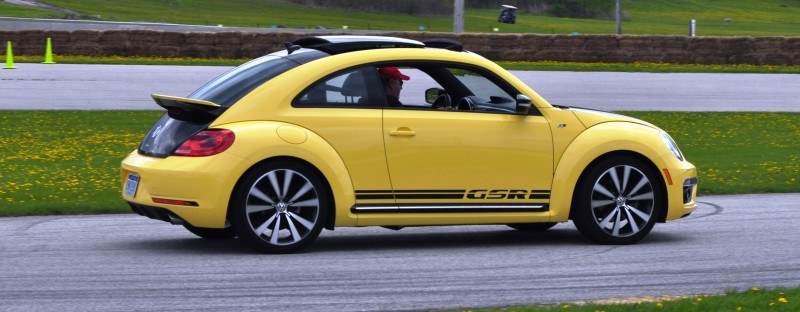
x=768, y=44
x=200, y=38
x=601, y=42
x=635, y=44
x=671, y=43
x=174, y=39
x=681, y=57
x=84, y=36
x=85, y=48
x=114, y=37
x=143, y=37
x=228, y=38
x=568, y=43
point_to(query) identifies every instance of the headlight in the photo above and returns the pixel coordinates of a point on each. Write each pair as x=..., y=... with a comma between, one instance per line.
x=670, y=143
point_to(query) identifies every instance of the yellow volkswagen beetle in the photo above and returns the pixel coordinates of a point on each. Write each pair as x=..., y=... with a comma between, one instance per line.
x=378, y=131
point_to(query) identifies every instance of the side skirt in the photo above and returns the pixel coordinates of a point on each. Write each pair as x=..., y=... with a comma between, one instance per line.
x=447, y=208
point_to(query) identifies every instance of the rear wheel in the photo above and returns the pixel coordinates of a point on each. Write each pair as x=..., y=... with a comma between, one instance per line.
x=209, y=233
x=532, y=227
x=279, y=207
x=618, y=201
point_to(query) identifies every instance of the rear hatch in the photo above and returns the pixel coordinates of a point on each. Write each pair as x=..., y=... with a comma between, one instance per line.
x=189, y=115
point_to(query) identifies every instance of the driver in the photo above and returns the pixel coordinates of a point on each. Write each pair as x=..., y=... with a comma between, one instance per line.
x=392, y=80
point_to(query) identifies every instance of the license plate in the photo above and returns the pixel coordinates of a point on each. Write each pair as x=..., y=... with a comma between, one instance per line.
x=131, y=184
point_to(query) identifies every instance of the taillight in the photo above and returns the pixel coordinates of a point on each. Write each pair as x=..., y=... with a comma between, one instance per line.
x=206, y=143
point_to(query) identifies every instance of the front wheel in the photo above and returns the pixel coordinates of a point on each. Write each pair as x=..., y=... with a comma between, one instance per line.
x=617, y=201
x=279, y=207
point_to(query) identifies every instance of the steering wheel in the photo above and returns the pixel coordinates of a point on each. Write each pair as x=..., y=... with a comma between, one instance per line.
x=443, y=102
x=465, y=104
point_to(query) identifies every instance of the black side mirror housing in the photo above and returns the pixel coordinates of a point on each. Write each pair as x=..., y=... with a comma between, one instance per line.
x=523, y=104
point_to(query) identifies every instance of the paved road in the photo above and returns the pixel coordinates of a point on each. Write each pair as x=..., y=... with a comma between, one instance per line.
x=126, y=262
x=64, y=86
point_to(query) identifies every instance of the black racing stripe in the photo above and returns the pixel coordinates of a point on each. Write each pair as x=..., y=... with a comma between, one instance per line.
x=374, y=196
x=430, y=196
x=430, y=191
x=539, y=196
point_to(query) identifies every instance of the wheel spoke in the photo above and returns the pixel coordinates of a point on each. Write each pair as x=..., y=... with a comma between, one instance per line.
x=307, y=224
x=263, y=228
x=302, y=191
x=617, y=223
x=613, y=173
x=631, y=221
x=295, y=235
x=306, y=203
x=639, y=185
x=625, y=175
x=273, y=179
x=645, y=217
x=645, y=196
x=602, y=190
x=257, y=208
x=607, y=220
x=276, y=231
x=254, y=191
x=287, y=180
x=601, y=203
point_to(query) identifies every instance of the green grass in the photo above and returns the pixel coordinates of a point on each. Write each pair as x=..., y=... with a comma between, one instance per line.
x=667, y=17
x=542, y=65
x=737, y=152
x=773, y=300
x=67, y=162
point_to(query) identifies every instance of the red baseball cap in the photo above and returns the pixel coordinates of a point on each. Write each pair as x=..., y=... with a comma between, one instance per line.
x=392, y=73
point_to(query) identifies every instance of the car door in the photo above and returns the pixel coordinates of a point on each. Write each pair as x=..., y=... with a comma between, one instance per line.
x=489, y=159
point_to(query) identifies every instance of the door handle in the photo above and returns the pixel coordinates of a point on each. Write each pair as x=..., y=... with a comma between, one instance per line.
x=402, y=131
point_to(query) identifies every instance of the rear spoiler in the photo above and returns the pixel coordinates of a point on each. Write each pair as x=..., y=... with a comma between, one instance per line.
x=168, y=102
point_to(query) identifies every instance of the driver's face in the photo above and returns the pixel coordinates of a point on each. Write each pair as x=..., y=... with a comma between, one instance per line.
x=395, y=85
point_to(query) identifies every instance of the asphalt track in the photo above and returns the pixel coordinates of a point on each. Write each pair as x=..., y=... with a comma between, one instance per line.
x=66, y=86
x=126, y=262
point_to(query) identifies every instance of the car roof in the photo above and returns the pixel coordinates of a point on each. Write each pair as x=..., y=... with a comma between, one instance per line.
x=343, y=44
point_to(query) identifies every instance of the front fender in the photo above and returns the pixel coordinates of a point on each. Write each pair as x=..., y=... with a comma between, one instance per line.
x=595, y=142
x=258, y=141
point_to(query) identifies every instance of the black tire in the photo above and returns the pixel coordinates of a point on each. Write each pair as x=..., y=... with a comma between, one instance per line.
x=208, y=233
x=532, y=227
x=618, y=201
x=279, y=207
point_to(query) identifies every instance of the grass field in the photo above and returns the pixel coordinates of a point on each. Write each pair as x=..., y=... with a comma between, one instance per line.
x=66, y=162
x=669, y=17
x=753, y=300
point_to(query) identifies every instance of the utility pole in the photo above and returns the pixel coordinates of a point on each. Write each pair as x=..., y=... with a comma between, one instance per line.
x=458, y=16
x=619, y=17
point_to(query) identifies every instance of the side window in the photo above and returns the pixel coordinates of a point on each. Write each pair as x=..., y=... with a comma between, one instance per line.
x=353, y=88
x=447, y=87
x=478, y=85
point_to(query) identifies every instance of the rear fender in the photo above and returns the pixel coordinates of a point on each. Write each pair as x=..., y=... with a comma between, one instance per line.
x=259, y=141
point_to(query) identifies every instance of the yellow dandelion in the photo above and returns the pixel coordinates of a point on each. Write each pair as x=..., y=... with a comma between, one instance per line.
x=699, y=299
x=754, y=289
x=659, y=305
x=783, y=300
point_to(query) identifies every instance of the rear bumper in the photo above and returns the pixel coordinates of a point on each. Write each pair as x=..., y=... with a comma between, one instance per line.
x=207, y=182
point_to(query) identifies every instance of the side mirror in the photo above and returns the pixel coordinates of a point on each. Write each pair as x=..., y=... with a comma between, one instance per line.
x=432, y=94
x=523, y=104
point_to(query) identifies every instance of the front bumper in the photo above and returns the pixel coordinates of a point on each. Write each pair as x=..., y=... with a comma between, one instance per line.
x=207, y=182
x=682, y=192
